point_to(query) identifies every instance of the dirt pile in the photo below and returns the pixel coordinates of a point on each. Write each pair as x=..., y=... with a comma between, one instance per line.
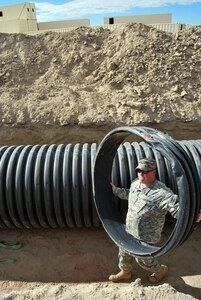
x=98, y=78
x=98, y=291
x=75, y=264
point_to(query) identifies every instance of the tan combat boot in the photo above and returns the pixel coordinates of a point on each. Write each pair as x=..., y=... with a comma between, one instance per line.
x=159, y=275
x=122, y=275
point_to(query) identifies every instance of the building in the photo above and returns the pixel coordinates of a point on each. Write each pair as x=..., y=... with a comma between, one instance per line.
x=21, y=17
x=145, y=19
x=18, y=18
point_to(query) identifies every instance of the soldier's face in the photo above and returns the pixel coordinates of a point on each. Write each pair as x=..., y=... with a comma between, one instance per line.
x=147, y=178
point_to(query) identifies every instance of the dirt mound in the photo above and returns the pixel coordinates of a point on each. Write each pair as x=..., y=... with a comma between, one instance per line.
x=94, y=78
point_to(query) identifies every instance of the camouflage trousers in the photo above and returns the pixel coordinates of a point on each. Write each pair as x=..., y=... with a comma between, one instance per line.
x=126, y=260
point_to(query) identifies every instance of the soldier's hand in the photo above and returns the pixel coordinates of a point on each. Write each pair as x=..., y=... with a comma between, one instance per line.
x=113, y=186
x=198, y=219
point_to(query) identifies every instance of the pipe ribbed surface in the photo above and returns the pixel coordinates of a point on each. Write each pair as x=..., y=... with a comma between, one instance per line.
x=50, y=186
x=179, y=167
x=47, y=186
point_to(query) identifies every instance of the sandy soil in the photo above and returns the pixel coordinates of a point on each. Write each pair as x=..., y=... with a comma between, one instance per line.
x=137, y=74
x=75, y=264
x=74, y=87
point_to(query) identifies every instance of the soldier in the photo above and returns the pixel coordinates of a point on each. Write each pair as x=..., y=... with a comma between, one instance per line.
x=149, y=200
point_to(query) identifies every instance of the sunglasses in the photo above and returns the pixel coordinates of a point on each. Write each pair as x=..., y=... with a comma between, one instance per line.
x=143, y=172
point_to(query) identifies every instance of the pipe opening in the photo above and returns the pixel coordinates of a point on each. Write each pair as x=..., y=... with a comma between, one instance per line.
x=175, y=169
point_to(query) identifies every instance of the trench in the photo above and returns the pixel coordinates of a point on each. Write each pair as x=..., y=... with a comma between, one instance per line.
x=51, y=186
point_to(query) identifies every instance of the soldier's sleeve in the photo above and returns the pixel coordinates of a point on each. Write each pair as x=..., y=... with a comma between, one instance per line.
x=170, y=203
x=121, y=193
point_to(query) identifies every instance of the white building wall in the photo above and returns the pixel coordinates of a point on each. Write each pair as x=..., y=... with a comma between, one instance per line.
x=18, y=18
x=18, y=26
x=145, y=19
x=168, y=27
x=20, y=11
x=63, y=24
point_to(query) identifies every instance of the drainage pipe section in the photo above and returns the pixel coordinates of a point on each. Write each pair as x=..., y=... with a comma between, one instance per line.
x=178, y=165
x=50, y=186
x=47, y=186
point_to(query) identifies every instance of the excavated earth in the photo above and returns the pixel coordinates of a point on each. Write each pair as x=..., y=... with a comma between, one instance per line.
x=74, y=87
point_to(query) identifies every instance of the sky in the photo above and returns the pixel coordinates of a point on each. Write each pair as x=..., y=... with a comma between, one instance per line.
x=183, y=11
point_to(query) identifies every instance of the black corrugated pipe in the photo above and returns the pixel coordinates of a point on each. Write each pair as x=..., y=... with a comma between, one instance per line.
x=179, y=167
x=50, y=186
x=47, y=186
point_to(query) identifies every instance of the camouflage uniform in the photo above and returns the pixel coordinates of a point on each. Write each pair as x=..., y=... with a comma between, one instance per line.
x=147, y=208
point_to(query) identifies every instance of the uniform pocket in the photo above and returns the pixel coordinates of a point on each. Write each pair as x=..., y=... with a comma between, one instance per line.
x=140, y=203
